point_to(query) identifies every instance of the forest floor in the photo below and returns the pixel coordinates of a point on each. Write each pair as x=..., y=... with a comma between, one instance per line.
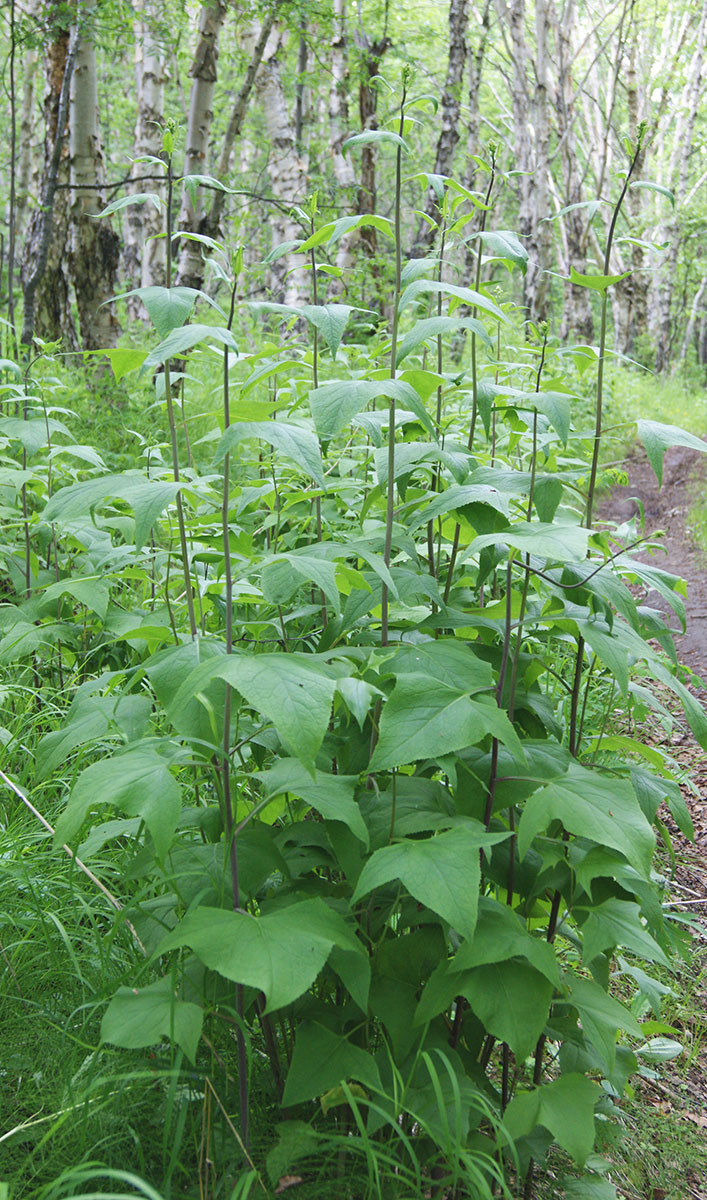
x=664, y=1154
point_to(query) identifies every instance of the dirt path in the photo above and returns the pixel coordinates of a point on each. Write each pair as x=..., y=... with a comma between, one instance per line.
x=666, y=511
x=677, y=1099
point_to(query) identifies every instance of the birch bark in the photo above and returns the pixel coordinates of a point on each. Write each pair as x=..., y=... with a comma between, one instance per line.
x=450, y=114
x=286, y=169
x=203, y=74
x=577, y=320
x=43, y=273
x=144, y=254
x=684, y=137
x=342, y=165
x=95, y=247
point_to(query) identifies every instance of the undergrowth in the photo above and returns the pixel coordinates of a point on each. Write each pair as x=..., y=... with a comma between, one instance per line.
x=312, y=662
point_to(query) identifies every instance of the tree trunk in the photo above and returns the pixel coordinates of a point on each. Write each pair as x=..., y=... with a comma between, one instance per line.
x=190, y=271
x=476, y=66
x=24, y=164
x=287, y=171
x=210, y=224
x=43, y=271
x=144, y=255
x=95, y=246
x=450, y=112
x=577, y=319
x=684, y=135
x=531, y=157
x=371, y=56
x=342, y=164
x=633, y=291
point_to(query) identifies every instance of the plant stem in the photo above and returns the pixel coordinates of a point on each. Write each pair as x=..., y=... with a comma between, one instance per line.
x=474, y=375
x=173, y=426
x=231, y=834
x=315, y=381
x=390, y=493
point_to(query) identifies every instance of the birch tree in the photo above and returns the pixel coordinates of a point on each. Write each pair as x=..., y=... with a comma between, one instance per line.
x=342, y=164
x=679, y=175
x=95, y=246
x=43, y=273
x=145, y=252
x=577, y=319
x=286, y=168
x=203, y=74
x=450, y=110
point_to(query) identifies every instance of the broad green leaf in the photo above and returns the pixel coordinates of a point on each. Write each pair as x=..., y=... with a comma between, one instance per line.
x=512, y=999
x=502, y=243
x=334, y=404
x=499, y=935
x=123, y=359
x=554, y=405
x=168, y=308
x=618, y=923
x=601, y=1016
x=297, y=443
x=294, y=691
x=654, y=187
x=608, y=647
x=32, y=433
x=138, y=1017
x=598, y=283
x=427, y=719
x=561, y=543
x=147, y=497
x=90, y=718
x=331, y=795
x=321, y=1060
x=589, y=1187
x=280, y=953
x=430, y=327
x=138, y=782
x=456, y=498
x=450, y=662
x=331, y=321
x=138, y=198
x=84, y=453
x=375, y=137
x=358, y=697
x=197, y=719
x=283, y=574
x=594, y=806
x=182, y=339
x=93, y=594
x=441, y=872
x=547, y=495
x=420, y=287
x=660, y=1049
x=565, y=1107
x=694, y=711
x=658, y=438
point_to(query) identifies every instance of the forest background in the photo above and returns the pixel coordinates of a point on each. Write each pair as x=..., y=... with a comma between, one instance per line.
x=338, y=715
x=265, y=99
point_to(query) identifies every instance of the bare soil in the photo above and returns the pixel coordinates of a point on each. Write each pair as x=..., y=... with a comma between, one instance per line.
x=679, y=1094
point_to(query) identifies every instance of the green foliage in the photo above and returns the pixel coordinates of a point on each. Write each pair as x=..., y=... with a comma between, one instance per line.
x=339, y=758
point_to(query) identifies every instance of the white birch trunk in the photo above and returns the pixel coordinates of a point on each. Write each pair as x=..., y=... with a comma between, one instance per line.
x=203, y=73
x=24, y=162
x=680, y=164
x=53, y=318
x=450, y=113
x=95, y=247
x=342, y=163
x=145, y=252
x=286, y=168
